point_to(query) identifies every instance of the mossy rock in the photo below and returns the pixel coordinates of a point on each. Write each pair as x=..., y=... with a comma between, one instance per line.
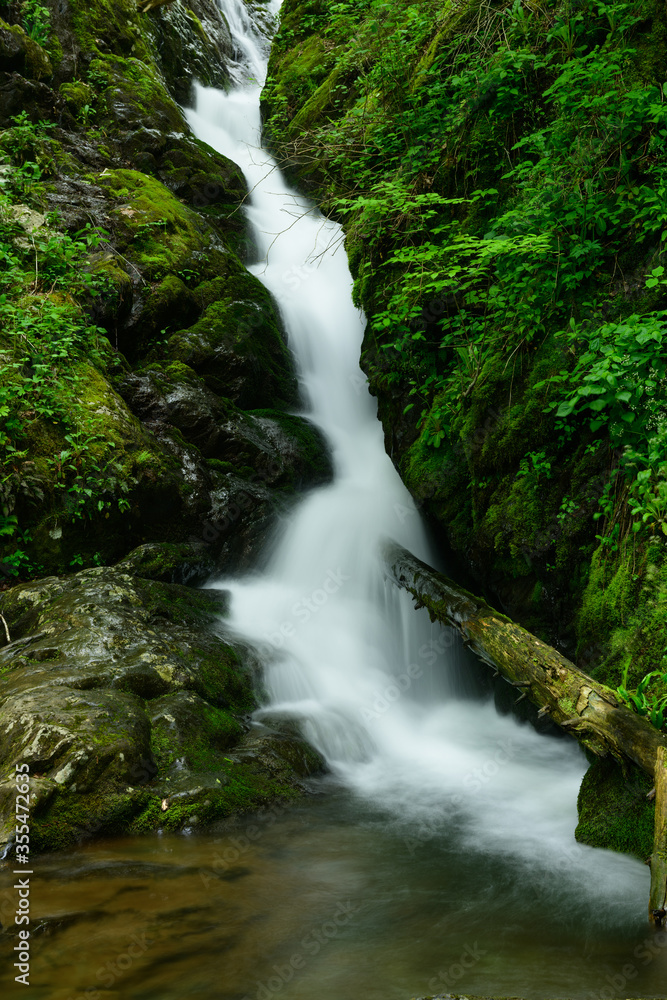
x=239, y=349
x=614, y=812
x=169, y=563
x=162, y=235
x=140, y=486
x=187, y=731
x=279, y=754
x=111, y=306
x=193, y=42
x=622, y=615
x=111, y=27
x=293, y=448
x=171, y=248
x=77, y=94
x=279, y=449
x=21, y=54
x=170, y=304
x=119, y=691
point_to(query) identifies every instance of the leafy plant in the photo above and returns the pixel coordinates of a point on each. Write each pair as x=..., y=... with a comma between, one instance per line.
x=36, y=20
x=651, y=704
x=46, y=346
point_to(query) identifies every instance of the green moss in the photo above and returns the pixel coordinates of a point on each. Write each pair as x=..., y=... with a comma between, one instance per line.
x=623, y=613
x=77, y=94
x=238, y=347
x=37, y=63
x=613, y=809
x=162, y=234
x=77, y=818
x=115, y=22
x=243, y=791
x=200, y=745
x=323, y=100
x=114, y=288
x=219, y=466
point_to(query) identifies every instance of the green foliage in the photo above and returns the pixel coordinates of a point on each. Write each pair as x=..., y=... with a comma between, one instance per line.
x=27, y=142
x=46, y=348
x=501, y=176
x=649, y=703
x=36, y=20
x=617, y=385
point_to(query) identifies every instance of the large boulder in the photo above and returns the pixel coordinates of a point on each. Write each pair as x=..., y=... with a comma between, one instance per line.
x=129, y=701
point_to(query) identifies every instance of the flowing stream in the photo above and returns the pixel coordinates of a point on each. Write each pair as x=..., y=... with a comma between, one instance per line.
x=382, y=695
x=440, y=855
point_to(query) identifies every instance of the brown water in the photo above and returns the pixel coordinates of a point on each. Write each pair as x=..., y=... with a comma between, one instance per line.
x=326, y=901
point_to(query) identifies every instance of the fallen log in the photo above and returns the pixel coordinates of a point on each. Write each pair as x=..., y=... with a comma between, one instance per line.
x=584, y=707
x=657, y=903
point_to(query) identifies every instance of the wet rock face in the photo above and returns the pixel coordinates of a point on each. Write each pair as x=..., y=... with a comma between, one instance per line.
x=128, y=702
x=285, y=450
x=193, y=42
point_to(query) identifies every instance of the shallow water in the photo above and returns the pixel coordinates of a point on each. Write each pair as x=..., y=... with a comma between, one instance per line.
x=331, y=899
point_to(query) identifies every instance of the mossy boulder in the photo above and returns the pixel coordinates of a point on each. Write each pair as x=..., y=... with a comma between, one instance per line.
x=140, y=486
x=187, y=732
x=239, y=349
x=281, y=449
x=77, y=94
x=111, y=306
x=169, y=563
x=170, y=249
x=614, y=812
x=112, y=687
x=21, y=54
x=171, y=303
x=161, y=234
x=279, y=754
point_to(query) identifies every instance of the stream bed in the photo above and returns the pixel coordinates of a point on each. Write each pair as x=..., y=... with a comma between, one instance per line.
x=329, y=899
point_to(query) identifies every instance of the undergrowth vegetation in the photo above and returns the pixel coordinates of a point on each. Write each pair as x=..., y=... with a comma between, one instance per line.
x=47, y=348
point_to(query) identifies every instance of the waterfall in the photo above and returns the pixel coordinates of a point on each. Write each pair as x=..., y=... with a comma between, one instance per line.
x=377, y=689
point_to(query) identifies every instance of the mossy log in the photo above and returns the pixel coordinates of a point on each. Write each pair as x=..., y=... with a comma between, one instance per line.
x=588, y=710
x=657, y=904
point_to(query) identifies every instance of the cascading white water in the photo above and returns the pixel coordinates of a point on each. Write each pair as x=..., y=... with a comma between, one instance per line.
x=371, y=682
